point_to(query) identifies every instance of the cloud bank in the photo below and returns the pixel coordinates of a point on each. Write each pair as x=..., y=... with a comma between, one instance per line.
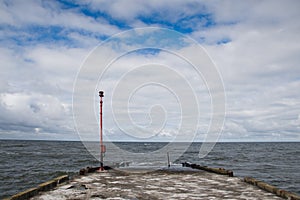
x=254, y=44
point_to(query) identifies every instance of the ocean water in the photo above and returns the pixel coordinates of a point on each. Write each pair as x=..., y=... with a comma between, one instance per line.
x=25, y=164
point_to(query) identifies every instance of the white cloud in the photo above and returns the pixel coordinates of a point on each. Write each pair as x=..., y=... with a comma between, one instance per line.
x=259, y=63
x=49, y=13
x=36, y=88
x=134, y=12
x=31, y=112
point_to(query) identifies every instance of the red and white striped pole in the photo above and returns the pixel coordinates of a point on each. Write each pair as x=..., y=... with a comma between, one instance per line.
x=102, y=147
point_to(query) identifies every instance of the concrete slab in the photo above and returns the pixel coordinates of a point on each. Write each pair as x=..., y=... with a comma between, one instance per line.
x=162, y=184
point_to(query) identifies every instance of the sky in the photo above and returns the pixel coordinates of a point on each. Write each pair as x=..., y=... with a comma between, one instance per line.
x=50, y=53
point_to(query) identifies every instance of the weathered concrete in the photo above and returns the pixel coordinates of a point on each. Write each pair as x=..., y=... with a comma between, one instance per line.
x=272, y=189
x=42, y=187
x=221, y=171
x=163, y=184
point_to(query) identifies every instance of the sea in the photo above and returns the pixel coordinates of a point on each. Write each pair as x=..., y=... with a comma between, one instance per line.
x=26, y=164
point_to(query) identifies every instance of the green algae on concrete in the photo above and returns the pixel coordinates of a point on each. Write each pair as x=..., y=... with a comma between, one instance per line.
x=27, y=194
x=279, y=192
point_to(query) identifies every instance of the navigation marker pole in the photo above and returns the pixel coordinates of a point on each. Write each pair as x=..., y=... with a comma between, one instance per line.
x=168, y=159
x=102, y=147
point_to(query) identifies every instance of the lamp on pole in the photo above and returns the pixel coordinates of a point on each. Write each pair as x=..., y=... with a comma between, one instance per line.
x=102, y=147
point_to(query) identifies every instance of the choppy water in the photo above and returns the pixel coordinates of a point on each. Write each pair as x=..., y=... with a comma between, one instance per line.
x=25, y=164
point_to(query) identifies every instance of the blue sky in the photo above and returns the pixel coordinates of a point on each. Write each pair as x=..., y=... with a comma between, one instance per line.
x=254, y=44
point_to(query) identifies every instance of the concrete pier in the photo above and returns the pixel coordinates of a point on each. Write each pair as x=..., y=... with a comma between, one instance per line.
x=169, y=183
x=27, y=194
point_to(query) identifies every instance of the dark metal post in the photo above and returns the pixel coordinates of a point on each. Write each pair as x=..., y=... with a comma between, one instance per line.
x=168, y=159
x=102, y=148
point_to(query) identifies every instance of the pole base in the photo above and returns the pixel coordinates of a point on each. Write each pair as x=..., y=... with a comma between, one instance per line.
x=101, y=170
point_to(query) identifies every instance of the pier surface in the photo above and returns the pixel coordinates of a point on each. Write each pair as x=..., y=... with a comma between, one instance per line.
x=161, y=184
